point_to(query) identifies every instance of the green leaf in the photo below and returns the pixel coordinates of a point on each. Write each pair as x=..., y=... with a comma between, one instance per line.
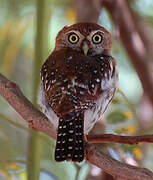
x=116, y=117
x=129, y=148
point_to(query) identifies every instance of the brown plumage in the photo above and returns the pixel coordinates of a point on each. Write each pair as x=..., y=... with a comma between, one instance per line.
x=78, y=82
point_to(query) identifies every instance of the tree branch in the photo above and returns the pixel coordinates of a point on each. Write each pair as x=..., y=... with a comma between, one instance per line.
x=145, y=32
x=111, y=138
x=122, y=17
x=38, y=121
x=115, y=168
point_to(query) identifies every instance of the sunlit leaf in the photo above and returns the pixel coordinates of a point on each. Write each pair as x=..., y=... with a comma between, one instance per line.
x=126, y=130
x=71, y=15
x=128, y=114
x=137, y=153
x=13, y=166
x=129, y=148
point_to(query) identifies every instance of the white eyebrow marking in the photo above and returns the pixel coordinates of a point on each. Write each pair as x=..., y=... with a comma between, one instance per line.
x=94, y=32
x=73, y=31
x=81, y=36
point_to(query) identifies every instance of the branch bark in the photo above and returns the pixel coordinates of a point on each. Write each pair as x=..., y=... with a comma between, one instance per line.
x=35, y=119
x=114, y=167
x=132, y=42
x=38, y=121
x=111, y=138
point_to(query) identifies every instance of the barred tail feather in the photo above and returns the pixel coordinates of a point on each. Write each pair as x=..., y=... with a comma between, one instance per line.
x=70, y=138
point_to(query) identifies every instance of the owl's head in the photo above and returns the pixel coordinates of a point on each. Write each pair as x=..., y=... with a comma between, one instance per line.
x=87, y=38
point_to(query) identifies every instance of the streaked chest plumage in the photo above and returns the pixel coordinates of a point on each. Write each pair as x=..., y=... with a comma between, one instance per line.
x=74, y=82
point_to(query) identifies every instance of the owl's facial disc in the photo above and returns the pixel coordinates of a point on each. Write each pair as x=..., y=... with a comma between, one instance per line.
x=98, y=39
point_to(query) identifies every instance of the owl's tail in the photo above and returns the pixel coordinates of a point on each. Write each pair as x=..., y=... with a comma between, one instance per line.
x=70, y=138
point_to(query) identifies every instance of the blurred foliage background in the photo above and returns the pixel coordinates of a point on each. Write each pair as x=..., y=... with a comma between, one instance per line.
x=27, y=37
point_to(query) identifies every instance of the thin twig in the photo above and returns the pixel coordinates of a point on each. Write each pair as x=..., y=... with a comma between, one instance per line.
x=111, y=138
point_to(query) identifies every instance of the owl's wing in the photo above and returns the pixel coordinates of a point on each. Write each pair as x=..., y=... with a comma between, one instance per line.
x=74, y=81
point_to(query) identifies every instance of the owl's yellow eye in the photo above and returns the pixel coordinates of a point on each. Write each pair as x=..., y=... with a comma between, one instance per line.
x=73, y=38
x=97, y=38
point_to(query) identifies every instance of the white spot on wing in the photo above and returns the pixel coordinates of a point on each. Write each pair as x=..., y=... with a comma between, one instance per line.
x=70, y=57
x=48, y=87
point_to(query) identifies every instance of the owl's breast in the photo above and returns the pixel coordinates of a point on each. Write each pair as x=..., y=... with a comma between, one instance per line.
x=74, y=81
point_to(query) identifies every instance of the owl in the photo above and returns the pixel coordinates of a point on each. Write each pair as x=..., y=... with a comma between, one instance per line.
x=79, y=80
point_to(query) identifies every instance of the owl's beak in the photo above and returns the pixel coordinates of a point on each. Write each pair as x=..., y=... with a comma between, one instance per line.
x=85, y=48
